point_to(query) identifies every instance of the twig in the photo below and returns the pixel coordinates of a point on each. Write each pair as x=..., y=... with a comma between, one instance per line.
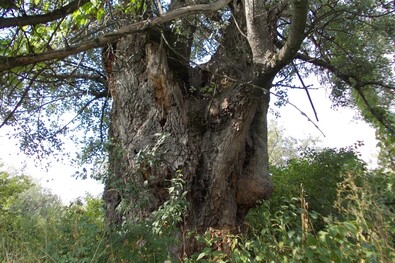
x=237, y=25
x=306, y=89
x=288, y=102
x=301, y=112
x=24, y=94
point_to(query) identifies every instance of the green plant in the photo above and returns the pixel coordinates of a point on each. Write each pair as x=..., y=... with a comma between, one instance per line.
x=171, y=212
x=319, y=172
x=153, y=239
x=36, y=227
x=358, y=201
x=362, y=231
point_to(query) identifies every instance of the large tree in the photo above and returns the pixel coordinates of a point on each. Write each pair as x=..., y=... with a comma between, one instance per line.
x=183, y=87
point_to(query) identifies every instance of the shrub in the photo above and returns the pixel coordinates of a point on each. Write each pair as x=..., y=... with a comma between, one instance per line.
x=320, y=173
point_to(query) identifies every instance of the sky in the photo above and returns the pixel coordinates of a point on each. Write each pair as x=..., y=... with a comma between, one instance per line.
x=341, y=128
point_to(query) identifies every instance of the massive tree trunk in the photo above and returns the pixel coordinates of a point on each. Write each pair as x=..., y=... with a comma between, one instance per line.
x=217, y=139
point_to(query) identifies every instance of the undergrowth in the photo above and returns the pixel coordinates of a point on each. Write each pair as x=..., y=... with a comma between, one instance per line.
x=357, y=225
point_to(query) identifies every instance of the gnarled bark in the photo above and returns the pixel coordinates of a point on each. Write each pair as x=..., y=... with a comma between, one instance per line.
x=219, y=143
x=218, y=140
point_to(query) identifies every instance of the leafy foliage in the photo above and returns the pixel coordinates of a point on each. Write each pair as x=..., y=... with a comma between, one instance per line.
x=48, y=100
x=348, y=43
x=361, y=229
x=352, y=221
x=319, y=172
x=10, y=188
x=171, y=212
x=355, y=39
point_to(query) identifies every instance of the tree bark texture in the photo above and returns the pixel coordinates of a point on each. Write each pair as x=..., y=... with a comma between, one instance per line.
x=218, y=140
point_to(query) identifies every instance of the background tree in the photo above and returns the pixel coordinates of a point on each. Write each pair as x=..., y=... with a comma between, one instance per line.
x=36, y=226
x=319, y=173
x=199, y=74
x=283, y=148
x=11, y=187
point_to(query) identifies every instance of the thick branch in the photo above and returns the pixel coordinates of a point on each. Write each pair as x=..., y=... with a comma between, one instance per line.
x=7, y=63
x=296, y=35
x=261, y=32
x=40, y=19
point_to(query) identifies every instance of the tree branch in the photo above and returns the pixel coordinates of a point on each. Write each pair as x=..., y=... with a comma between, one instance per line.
x=22, y=98
x=7, y=63
x=346, y=78
x=301, y=112
x=41, y=19
x=296, y=35
x=74, y=76
x=259, y=30
x=306, y=89
x=103, y=109
x=355, y=83
x=80, y=111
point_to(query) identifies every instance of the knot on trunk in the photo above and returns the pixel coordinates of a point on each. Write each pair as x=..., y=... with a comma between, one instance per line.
x=251, y=189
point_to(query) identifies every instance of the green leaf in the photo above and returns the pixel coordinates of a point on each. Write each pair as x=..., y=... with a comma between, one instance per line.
x=201, y=256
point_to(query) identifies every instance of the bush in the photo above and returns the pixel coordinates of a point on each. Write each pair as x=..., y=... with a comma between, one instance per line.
x=36, y=227
x=362, y=231
x=319, y=173
x=355, y=223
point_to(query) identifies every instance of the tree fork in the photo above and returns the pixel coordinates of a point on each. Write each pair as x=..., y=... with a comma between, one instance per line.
x=225, y=164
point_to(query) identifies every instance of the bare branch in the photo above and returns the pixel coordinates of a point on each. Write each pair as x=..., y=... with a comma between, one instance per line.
x=41, y=19
x=355, y=83
x=301, y=112
x=296, y=34
x=306, y=89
